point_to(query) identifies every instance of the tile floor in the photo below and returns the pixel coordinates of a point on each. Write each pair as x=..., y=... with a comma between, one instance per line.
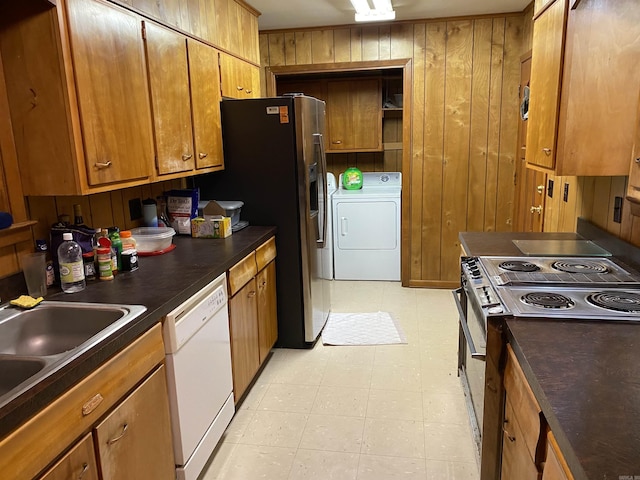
x=359, y=412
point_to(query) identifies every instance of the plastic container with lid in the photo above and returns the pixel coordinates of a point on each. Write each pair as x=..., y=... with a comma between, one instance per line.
x=232, y=209
x=151, y=240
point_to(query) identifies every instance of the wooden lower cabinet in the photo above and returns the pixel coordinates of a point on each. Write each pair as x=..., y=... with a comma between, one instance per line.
x=130, y=389
x=253, y=322
x=555, y=466
x=516, y=460
x=134, y=440
x=267, y=310
x=78, y=463
x=521, y=425
x=243, y=328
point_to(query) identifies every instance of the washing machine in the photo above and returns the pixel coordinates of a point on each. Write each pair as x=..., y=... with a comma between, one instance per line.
x=327, y=251
x=366, y=228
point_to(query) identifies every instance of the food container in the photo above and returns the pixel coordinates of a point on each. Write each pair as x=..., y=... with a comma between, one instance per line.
x=232, y=209
x=152, y=239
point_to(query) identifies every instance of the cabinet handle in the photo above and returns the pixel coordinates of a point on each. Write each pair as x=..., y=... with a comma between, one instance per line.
x=248, y=91
x=540, y=189
x=85, y=467
x=203, y=155
x=264, y=283
x=547, y=151
x=637, y=159
x=509, y=436
x=115, y=439
x=102, y=164
x=337, y=142
x=537, y=209
x=251, y=294
x=186, y=157
x=239, y=88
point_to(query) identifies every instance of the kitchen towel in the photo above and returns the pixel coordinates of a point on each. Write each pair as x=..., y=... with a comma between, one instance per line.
x=374, y=328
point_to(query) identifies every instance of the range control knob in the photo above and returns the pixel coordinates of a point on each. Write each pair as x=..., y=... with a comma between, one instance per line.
x=495, y=310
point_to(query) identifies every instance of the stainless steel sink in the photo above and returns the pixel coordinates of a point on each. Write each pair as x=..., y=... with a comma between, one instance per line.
x=17, y=370
x=35, y=343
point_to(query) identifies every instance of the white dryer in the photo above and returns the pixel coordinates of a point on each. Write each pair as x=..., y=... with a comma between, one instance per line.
x=366, y=228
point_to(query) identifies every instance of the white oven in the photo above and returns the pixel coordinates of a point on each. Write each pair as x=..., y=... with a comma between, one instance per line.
x=198, y=361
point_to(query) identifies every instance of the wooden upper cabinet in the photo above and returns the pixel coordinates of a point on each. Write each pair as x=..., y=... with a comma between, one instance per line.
x=170, y=98
x=584, y=74
x=109, y=68
x=599, y=87
x=633, y=185
x=206, y=96
x=239, y=78
x=166, y=11
x=354, y=115
x=185, y=95
x=77, y=87
x=546, y=71
x=539, y=5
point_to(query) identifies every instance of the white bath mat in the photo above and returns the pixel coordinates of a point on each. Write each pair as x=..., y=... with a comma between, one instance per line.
x=374, y=328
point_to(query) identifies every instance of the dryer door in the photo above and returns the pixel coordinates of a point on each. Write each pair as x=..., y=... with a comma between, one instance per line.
x=371, y=225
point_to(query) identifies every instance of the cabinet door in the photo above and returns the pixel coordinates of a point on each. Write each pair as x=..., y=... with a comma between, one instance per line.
x=516, y=461
x=169, y=83
x=78, y=463
x=134, y=440
x=243, y=328
x=205, y=97
x=239, y=79
x=267, y=309
x=555, y=466
x=354, y=115
x=111, y=85
x=633, y=185
x=546, y=71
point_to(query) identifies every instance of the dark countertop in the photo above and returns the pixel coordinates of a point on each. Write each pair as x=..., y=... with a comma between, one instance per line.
x=584, y=374
x=586, y=378
x=161, y=284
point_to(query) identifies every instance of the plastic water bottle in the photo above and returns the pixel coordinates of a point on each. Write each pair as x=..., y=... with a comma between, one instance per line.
x=71, y=266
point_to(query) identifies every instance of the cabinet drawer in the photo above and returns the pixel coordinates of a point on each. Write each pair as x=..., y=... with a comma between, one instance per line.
x=265, y=253
x=30, y=448
x=526, y=408
x=242, y=272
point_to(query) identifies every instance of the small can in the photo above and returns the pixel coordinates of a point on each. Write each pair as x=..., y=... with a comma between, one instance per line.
x=88, y=262
x=104, y=264
x=129, y=260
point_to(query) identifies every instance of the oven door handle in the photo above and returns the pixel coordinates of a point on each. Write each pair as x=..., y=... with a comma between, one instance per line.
x=465, y=328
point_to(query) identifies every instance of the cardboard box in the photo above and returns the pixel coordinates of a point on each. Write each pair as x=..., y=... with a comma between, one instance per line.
x=211, y=227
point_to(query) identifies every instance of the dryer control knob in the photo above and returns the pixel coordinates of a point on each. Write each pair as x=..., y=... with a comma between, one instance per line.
x=495, y=310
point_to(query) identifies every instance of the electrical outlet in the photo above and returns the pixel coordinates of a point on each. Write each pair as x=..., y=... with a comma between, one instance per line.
x=617, y=210
x=135, y=209
x=565, y=194
x=550, y=188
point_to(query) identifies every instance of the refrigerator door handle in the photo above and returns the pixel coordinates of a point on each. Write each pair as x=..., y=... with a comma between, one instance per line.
x=319, y=138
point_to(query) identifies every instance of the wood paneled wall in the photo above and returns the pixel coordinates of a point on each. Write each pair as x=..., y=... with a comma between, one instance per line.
x=592, y=198
x=464, y=109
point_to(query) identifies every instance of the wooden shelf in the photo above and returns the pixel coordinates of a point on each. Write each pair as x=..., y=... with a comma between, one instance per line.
x=16, y=233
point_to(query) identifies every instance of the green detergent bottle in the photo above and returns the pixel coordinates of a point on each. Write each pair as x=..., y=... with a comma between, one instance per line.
x=352, y=178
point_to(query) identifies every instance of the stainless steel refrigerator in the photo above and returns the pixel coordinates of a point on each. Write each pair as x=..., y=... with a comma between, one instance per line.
x=275, y=163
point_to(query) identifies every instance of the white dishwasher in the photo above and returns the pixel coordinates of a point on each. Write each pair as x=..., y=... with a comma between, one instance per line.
x=198, y=361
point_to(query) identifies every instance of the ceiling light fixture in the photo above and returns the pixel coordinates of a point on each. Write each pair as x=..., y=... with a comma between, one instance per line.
x=382, y=10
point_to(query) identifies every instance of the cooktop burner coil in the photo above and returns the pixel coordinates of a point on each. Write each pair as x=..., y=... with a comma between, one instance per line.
x=618, y=301
x=582, y=266
x=547, y=300
x=519, y=266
